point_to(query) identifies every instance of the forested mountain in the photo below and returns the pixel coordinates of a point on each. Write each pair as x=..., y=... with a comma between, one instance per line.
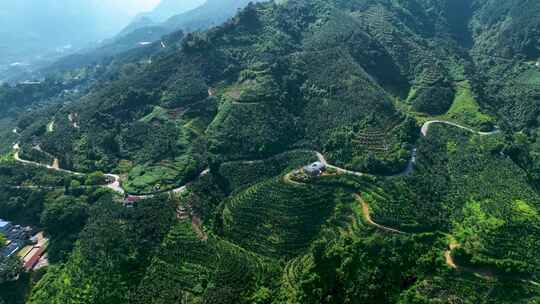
x=144, y=31
x=38, y=30
x=163, y=11
x=420, y=119
x=211, y=13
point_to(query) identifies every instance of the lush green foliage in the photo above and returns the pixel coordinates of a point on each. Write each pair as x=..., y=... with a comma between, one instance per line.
x=277, y=219
x=248, y=99
x=239, y=175
x=482, y=197
x=367, y=270
x=22, y=95
x=187, y=267
x=114, y=240
x=366, y=148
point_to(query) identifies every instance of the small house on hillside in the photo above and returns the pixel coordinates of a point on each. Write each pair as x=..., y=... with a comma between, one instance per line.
x=315, y=169
x=130, y=200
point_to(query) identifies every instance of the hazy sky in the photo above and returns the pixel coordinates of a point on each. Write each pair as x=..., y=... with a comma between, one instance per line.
x=132, y=6
x=58, y=22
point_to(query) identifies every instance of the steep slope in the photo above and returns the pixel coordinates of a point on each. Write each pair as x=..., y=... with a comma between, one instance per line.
x=268, y=70
x=506, y=54
x=142, y=34
x=416, y=205
x=507, y=28
x=210, y=13
x=290, y=101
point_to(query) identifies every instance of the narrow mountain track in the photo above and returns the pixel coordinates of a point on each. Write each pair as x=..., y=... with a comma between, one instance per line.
x=448, y=255
x=114, y=184
x=17, y=157
x=482, y=272
x=410, y=166
x=196, y=224
x=428, y=124
x=287, y=178
x=50, y=126
x=115, y=181
x=367, y=217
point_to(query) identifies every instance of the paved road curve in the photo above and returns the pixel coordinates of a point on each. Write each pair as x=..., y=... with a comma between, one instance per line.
x=410, y=166
x=114, y=184
x=427, y=125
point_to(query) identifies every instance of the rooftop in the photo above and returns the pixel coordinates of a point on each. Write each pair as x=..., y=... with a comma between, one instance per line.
x=316, y=167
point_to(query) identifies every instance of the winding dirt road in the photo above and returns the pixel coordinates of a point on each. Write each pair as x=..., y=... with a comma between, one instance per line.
x=448, y=255
x=366, y=214
x=485, y=273
x=16, y=156
x=115, y=184
x=367, y=217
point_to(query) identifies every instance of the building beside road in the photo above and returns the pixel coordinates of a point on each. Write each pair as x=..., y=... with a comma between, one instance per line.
x=32, y=254
x=19, y=240
x=315, y=169
x=131, y=200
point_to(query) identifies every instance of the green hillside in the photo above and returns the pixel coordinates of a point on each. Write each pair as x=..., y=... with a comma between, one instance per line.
x=422, y=116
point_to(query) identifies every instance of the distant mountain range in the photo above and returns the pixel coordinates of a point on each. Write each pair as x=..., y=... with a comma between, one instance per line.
x=147, y=28
x=204, y=14
x=36, y=33
x=29, y=29
x=201, y=15
x=168, y=8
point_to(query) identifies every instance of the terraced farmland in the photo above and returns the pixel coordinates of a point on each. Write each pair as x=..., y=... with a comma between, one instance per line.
x=242, y=174
x=277, y=219
x=188, y=267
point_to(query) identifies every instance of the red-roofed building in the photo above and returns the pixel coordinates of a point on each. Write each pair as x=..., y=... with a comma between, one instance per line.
x=33, y=255
x=31, y=259
x=130, y=200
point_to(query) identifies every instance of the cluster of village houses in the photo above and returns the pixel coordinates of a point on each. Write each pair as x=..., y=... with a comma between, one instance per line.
x=22, y=241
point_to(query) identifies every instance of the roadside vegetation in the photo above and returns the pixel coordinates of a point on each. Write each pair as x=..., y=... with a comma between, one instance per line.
x=227, y=117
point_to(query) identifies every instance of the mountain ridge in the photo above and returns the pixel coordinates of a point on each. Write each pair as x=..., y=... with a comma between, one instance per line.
x=396, y=214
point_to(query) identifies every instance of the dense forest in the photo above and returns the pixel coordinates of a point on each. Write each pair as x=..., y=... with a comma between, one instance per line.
x=423, y=113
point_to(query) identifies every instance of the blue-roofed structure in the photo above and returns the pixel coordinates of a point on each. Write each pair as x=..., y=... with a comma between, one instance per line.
x=5, y=226
x=11, y=249
x=16, y=237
